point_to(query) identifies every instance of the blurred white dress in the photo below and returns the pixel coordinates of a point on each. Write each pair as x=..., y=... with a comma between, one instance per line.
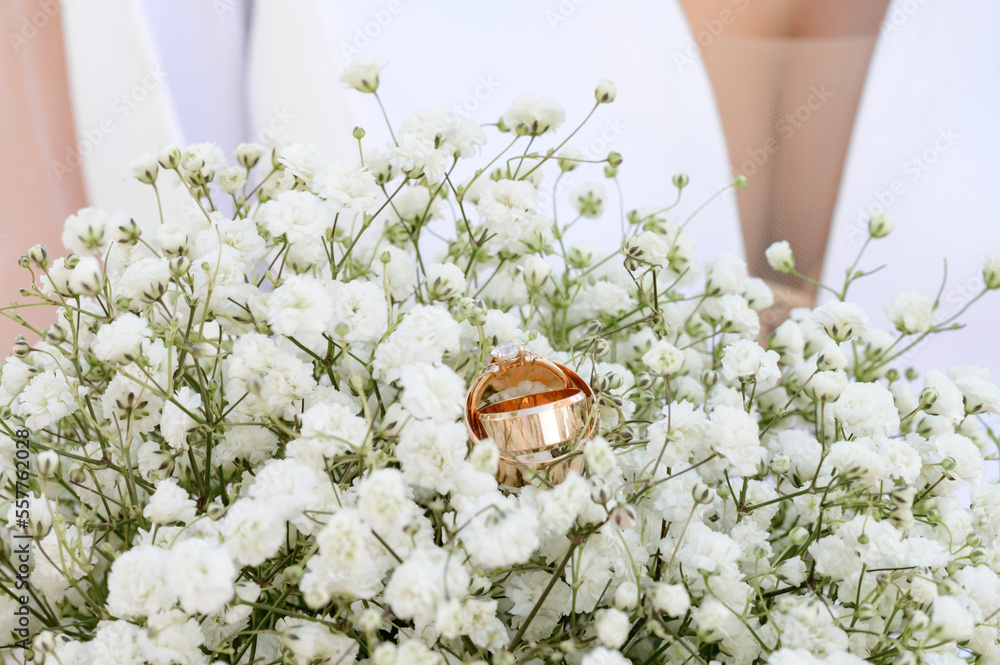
x=923, y=147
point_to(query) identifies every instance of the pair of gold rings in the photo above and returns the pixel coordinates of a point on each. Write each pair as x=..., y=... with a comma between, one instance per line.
x=538, y=412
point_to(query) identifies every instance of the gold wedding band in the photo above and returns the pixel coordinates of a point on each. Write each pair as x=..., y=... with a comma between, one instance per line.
x=542, y=429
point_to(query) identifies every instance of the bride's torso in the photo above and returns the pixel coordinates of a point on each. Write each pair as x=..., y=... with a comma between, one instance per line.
x=922, y=146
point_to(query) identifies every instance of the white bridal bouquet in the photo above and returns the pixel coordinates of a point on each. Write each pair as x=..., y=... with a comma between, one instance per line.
x=242, y=439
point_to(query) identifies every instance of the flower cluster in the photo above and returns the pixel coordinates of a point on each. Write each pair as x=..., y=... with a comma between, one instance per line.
x=250, y=448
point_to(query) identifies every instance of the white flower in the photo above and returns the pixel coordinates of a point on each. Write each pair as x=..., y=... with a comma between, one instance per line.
x=201, y=574
x=599, y=456
x=649, y=248
x=87, y=278
x=252, y=532
x=950, y=620
x=299, y=216
x=138, y=584
x=145, y=280
x=444, y=281
x=383, y=499
x=121, y=341
x=363, y=74
x=175, y=423
x=360, y=306
x=232, y=179
x=452, y=134
x=427, y=332
x=946, y=398
x=757, y=293
x=588, y=199
x=145, y=168
x=347, y=187
x=606, y=91
x=866, y=409
x=422, y=582
x=981, y=395
x=301, y=164
x=432, y=392
x=47, y=399
x=299, y=307
x=496, y=531
x=202, y=160
x=313, y=642
x=733, y=434
x=779, y=257
x=432, y=454
x=746, y=359
x=169, y=503
x=612, y=627
x=725, y=275
x=330, y=429
x=911, y=312
x=602, y=656
x=841, y=320
x=663, y=358
x=87, y=232
x=534, y=115
x=672, y=599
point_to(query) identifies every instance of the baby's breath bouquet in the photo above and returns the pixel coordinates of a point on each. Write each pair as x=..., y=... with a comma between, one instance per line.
x=241, y=440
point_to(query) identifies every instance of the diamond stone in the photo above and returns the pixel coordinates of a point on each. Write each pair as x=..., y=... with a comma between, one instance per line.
x=506, y=351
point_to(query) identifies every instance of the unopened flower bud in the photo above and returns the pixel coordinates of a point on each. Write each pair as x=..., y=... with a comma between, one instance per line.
x=370, y=620
x=23, y=262
x=179, y=265
x=169, y=157
x=912, y=373
x=740, y=181
x=709, y=378
x=21, y=348
x=949, y=587
x=87, y=278
x=55, y=334
x=606, y=92
x=928, y=398
x=798, y=535
x=215, y=510
x=44, y=642
x=880, y=225
x=77, y=476
x=624, y=516
x=615, y=159
x=991, y=271
x=293, y=574
x=248, y=154
x=601, y=347
x=918, y=621
x=973, y=539
x=37, y=255
x=948, y=463
x=780, y=464
x=681, y=180
x=47, y=462
x=903, y=497
x=358, y=133
x=779, y=256
x=600, y=493
x=702, y=493
x=643, y=381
